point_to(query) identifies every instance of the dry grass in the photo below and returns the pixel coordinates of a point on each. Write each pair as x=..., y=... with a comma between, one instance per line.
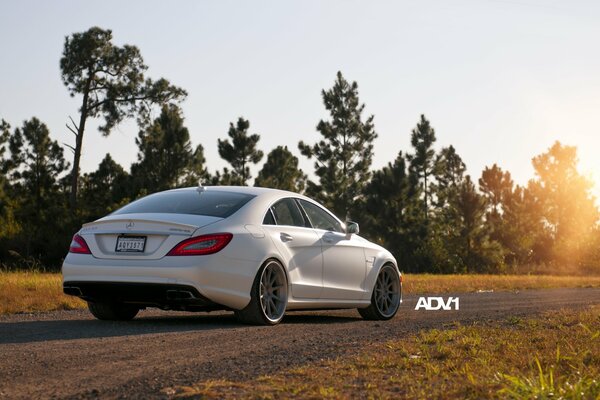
x=431, y=284
x=32, y=292
x=553, y=356
x=36, y=291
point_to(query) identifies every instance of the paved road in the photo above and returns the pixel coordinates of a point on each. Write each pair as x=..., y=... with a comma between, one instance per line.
x=69, y=355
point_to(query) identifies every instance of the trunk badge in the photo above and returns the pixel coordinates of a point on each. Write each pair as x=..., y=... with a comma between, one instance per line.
x=129, y=225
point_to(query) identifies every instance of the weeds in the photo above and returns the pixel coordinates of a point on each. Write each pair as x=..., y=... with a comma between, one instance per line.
x=22, y=292
x=479, y=361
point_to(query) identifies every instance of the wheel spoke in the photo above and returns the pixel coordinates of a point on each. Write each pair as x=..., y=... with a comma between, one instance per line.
x=269, y=311
x=386, y=291
x=273, y=291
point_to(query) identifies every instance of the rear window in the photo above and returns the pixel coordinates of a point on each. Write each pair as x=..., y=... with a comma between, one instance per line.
x=211, y=203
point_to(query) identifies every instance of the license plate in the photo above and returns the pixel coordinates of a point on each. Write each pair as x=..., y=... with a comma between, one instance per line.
x=131, y=244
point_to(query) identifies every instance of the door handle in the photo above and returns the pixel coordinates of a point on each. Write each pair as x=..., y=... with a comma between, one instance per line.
x=285, y=237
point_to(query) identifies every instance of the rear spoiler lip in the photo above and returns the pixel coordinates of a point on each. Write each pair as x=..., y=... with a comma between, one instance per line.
x=176, y=228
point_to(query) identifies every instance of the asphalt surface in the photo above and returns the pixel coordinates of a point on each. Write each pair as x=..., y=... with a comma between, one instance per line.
x=68, y=354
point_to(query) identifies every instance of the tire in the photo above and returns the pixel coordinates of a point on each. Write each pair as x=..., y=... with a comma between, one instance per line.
x=387, y=293
x=268, y=296
x=113, y=311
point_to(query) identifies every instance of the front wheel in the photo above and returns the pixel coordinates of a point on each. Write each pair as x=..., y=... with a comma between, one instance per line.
x=113, y=311
x=268, y=297
x=386, y=296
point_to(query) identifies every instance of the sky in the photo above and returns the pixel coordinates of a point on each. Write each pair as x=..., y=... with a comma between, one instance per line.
x=500, y=80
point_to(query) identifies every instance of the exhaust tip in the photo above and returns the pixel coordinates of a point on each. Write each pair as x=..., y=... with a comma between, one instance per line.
x=179, y=295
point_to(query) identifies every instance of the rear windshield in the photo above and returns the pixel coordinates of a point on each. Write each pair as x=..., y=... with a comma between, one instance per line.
x=211, y=203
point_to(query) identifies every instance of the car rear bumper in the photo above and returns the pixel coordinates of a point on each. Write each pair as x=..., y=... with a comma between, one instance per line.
x=166, y=296
x=221, y=281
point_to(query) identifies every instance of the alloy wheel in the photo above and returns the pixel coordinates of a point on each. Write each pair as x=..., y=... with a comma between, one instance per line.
x=387, y=291
x=273, y=291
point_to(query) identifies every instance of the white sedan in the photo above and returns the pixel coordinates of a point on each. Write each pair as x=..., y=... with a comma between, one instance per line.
x=259, y=252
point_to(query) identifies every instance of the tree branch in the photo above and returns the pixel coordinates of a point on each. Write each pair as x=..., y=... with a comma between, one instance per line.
x=121, y=100
x=74, y=124
x=70, y=147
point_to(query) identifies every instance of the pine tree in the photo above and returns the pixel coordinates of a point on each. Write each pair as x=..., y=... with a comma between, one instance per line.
x=344, y=155
x=8, y=225
x=523, y=235
x=105, y=189
x=422, y=162
x=281, y=171
x=165, y=157
x=240, y=153
x=449, y=170
x=390, y=211
x=37, y=164
x=470, y=238
x=112, y=84
x=496, y=187
x=196, y=172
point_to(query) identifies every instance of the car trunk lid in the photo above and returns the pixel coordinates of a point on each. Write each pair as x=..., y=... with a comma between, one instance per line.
x=140, y=236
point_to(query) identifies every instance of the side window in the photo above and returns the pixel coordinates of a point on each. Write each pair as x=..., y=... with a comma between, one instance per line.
x=269, y=218
x=320, y=218
x=286, y=212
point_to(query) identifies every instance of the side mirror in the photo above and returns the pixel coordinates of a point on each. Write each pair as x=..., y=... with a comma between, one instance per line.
x=352, y=228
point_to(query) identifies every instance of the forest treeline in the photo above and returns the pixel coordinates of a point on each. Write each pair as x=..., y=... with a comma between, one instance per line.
x=422, y=205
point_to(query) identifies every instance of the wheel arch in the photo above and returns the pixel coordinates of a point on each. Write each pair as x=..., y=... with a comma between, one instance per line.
x=381, y=260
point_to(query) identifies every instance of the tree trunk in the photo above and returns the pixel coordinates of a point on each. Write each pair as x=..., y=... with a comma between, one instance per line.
x=78, y=146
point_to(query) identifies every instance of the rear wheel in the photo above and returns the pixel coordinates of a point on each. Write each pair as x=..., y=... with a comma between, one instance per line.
x=386, y=295
x=113, y=311
x=268, y=297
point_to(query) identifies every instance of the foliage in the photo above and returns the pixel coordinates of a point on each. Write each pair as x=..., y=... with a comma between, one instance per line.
x=8, y=225
x=468, y=233
x=281, y=171
x=35, y=167
x=568, y=210
x=240, y=153
x=105, y=189
x=344, y=155
x=165, y=157
x=391, y=210
x=422, y=206
x=422, y=161
x=112, y=84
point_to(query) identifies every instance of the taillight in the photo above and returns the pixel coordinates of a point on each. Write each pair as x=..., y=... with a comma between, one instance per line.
x=201, y=245
x=79, y=246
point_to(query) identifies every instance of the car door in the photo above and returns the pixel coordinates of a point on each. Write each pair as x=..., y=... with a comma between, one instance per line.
x=299, y=244
x=344, y=263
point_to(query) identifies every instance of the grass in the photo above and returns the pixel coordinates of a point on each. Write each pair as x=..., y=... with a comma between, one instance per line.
x=431, y=284
x=554, y=356
x=25, y=292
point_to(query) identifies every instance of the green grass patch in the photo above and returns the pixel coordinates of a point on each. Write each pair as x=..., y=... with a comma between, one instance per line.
x=554, y=356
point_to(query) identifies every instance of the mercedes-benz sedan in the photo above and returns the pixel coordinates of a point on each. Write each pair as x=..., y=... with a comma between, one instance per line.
x=258, y=252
